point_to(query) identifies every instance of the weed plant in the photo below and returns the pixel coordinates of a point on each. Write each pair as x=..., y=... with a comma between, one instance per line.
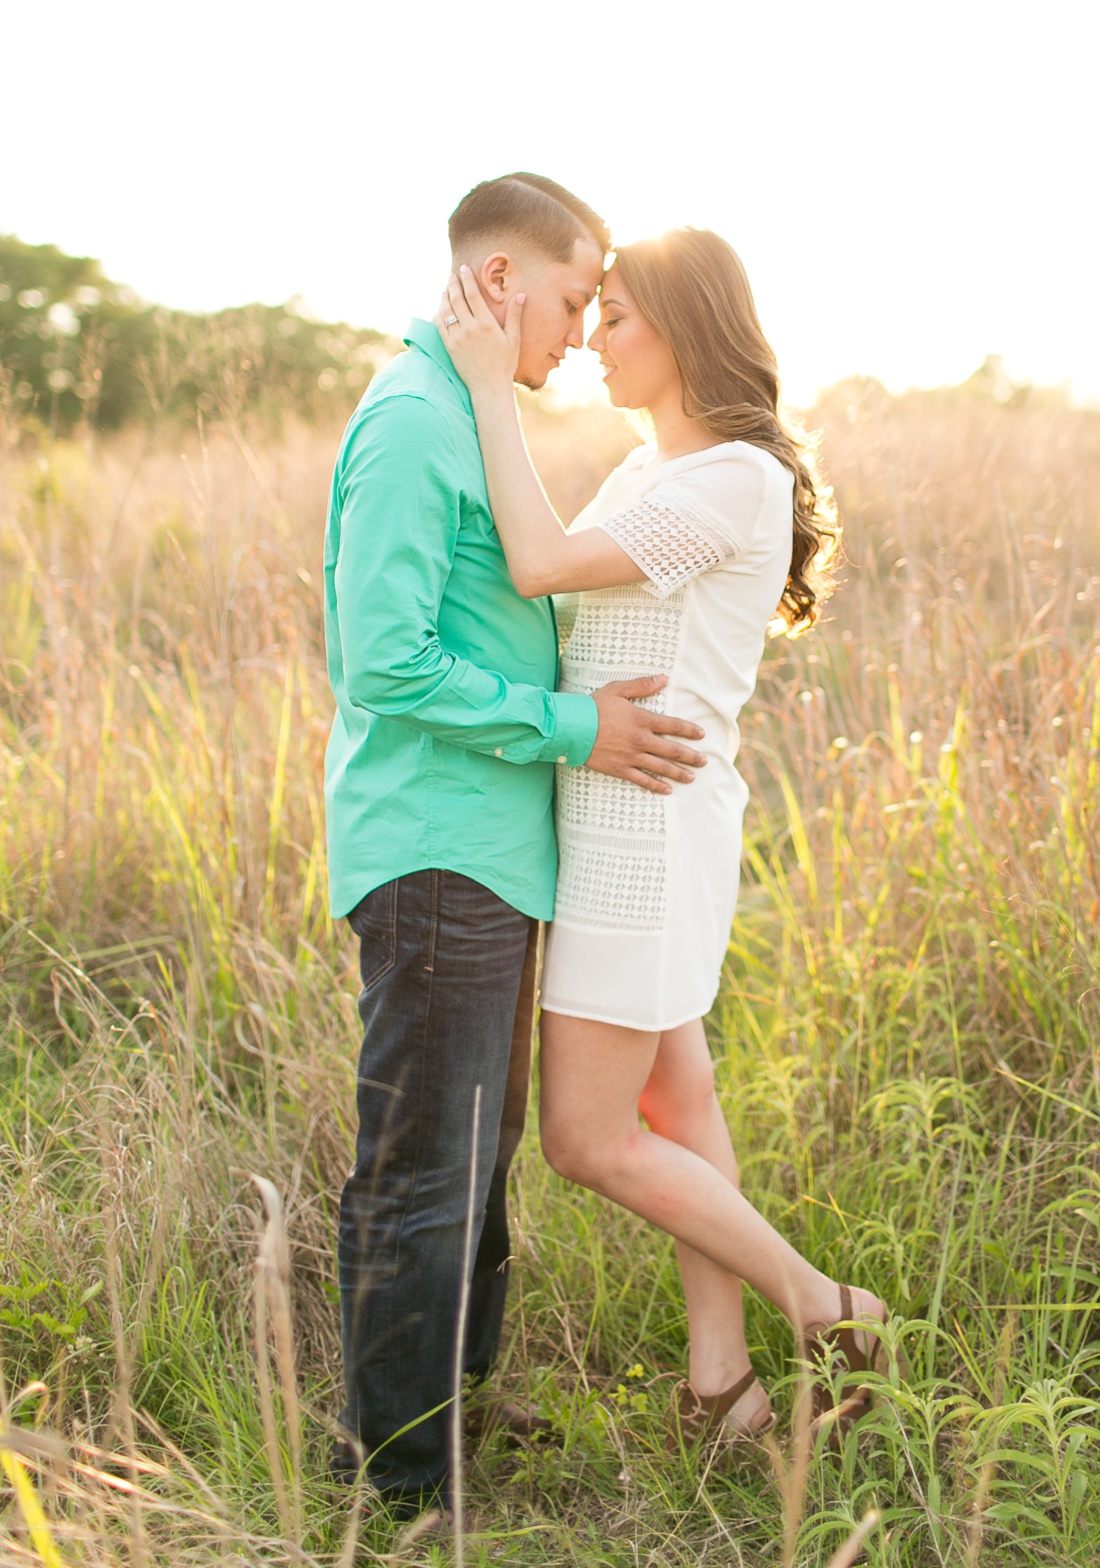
x=906, y=1040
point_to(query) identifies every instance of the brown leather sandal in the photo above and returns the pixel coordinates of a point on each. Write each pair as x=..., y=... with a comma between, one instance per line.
x=696, y=1418
x=855, y=1399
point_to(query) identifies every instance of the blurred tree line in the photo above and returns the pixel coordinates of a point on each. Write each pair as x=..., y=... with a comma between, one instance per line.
x=77, y=348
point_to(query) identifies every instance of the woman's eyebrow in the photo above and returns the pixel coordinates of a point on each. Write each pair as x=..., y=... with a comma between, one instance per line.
x=605, y=301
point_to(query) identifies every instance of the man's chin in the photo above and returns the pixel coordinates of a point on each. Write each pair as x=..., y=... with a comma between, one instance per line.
x=532, y=383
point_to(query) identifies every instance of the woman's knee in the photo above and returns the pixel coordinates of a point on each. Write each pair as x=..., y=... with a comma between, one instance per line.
x=558, y=1153
x=582, y=1155
x=565, y=1151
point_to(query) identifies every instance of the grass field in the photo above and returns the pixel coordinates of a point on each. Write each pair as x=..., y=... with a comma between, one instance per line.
x=907, y=1039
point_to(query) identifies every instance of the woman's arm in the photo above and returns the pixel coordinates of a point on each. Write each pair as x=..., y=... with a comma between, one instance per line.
x=542, y=557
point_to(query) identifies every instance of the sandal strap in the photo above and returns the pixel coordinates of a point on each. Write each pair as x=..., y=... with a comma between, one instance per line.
x=720, y=1405
x=710, y=1410
x=845, y=1339
x=816, y=1342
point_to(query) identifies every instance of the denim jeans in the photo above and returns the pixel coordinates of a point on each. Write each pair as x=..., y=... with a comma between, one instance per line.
x=445, y=1007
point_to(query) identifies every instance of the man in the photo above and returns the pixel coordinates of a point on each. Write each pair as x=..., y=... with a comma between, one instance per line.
x=439, y=784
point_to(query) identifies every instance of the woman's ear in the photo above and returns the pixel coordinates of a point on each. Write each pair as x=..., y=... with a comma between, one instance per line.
x=497, y=277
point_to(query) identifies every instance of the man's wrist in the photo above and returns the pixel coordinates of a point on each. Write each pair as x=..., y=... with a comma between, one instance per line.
x=578, y=722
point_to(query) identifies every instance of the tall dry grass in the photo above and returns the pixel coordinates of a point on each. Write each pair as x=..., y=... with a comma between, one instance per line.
x=906, y=1042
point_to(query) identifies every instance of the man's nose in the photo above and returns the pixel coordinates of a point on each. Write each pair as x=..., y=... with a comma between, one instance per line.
x=575, y=335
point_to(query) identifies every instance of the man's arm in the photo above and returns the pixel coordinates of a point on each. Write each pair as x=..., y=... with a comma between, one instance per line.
x=399, y=520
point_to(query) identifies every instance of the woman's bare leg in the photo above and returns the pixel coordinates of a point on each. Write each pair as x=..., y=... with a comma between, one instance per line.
x=593, y=1077
x=679, y=1103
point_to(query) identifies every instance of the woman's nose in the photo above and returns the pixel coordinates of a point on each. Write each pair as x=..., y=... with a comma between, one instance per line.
x=595, y=342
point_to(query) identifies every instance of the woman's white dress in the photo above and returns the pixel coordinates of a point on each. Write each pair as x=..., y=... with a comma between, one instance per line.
x=647, y=885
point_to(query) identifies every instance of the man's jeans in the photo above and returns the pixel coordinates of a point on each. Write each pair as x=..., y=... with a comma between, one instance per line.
x=447, y=971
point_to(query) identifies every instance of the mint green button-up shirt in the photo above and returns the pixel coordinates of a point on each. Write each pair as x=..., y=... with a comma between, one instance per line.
x=447, y=723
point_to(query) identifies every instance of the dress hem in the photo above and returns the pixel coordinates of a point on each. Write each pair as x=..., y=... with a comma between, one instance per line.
x=620, y=1023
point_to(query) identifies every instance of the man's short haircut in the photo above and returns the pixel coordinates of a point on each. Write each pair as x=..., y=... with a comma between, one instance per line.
x=530, y=210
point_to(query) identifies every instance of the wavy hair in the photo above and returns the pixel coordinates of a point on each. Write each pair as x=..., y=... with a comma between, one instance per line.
x=690, y=286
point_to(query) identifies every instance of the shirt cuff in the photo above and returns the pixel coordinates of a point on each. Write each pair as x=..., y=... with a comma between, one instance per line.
x=577, y=720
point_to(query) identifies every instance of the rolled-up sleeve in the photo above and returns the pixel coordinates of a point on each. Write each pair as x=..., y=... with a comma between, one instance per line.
x=399, y=519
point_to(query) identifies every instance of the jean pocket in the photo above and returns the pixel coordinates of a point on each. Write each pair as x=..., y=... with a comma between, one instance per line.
x=374, y=921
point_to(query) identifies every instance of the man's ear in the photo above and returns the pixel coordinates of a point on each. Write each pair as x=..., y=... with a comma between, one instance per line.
x=498, y=277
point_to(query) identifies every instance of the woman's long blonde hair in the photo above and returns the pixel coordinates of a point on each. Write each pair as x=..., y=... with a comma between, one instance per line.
x=690, y=286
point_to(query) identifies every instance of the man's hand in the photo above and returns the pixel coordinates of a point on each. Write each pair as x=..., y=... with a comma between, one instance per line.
x=634, y=744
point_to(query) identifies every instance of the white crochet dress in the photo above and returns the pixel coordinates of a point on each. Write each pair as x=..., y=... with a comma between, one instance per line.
x=647, y=885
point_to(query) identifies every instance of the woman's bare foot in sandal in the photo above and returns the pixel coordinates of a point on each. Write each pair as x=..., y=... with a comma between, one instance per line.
x=857, y=1346
x=857, y=1305
x=739, y=1415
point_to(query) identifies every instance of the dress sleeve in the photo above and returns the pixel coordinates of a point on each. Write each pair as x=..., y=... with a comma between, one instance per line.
x=690, y=522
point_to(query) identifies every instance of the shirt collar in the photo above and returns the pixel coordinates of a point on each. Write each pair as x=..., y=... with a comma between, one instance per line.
x=424, y=335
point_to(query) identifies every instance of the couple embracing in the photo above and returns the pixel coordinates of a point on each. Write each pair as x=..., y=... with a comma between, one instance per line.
x=475, y=789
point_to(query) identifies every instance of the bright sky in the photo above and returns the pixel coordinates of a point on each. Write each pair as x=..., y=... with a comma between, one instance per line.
x=910, y=186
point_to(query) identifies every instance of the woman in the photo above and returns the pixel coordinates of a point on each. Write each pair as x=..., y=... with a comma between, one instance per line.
x=680, y=562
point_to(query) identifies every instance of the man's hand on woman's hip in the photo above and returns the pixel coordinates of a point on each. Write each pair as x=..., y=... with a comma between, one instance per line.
x=634, y=744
